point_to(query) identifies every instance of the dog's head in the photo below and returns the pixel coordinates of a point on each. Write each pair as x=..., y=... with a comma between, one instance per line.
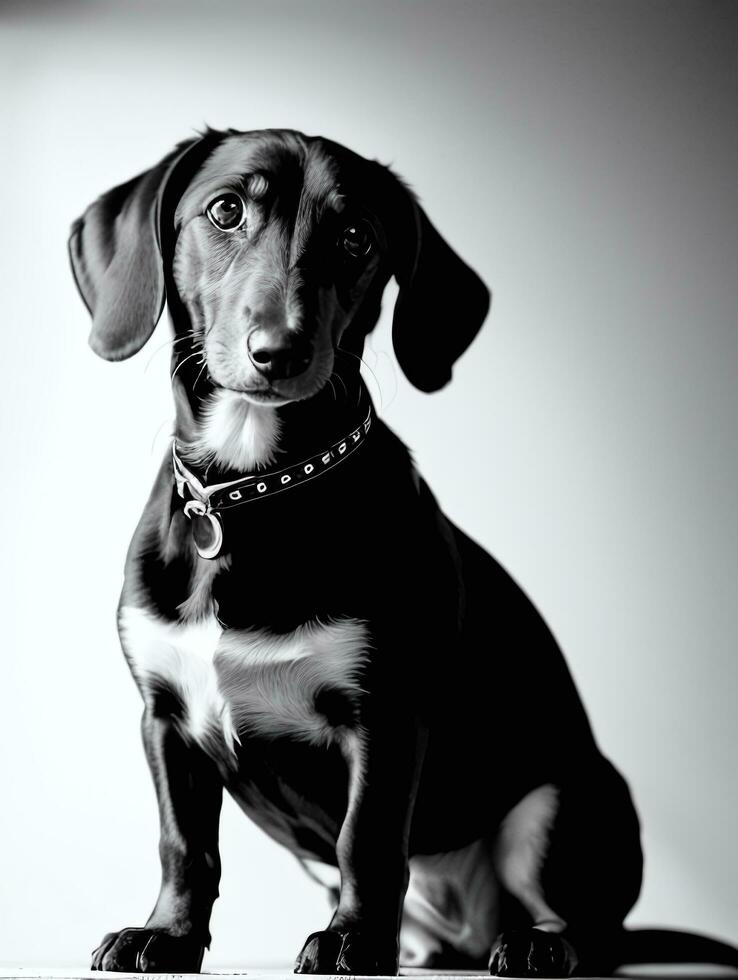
x=272, y=248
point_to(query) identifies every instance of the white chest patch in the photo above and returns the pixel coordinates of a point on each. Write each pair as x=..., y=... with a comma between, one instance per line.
x=236, y=433
x=235, y=682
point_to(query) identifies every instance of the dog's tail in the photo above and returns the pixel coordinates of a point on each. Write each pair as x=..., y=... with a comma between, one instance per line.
x=674, y=946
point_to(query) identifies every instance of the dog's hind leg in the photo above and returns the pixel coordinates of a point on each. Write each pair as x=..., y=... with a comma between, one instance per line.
x=569, y=858
x=189, y=792
x=450, y=913
x=521, y=845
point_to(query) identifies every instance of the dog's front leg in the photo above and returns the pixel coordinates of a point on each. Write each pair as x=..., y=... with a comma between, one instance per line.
x=384, y=759
x=189, y=792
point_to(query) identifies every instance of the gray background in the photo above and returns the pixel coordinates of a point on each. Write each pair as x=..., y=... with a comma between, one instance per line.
x=583, y=157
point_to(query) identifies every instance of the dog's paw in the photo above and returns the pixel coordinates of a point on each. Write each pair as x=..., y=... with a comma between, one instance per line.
x=531, y=953
x=351, y=952
x=148, y=951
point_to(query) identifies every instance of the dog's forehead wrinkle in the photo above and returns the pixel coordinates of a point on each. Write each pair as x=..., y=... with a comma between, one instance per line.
x=246, y=151
x=304, y=223
x=317, y=197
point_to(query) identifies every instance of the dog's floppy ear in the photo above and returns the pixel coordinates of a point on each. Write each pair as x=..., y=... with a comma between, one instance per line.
x=115, y=251
x=442, y=303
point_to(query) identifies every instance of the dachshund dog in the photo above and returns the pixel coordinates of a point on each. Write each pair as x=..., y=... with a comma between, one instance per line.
x=306, y=628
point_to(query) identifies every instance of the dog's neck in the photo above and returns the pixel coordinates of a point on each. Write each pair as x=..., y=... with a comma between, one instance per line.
x=225, y=436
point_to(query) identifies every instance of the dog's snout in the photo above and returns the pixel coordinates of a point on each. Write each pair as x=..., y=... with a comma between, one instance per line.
x=277, y=355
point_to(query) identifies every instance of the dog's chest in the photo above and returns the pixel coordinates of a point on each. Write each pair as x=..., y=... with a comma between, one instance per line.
x=235, y=683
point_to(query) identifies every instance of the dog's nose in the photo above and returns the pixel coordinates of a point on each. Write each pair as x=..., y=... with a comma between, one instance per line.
x=278, y=355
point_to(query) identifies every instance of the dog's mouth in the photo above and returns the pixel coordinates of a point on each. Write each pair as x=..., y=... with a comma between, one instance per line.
x=272, y=395
x=260, y=396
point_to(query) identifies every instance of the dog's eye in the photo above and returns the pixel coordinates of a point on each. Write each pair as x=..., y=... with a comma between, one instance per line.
x=357, y=239
x=227, y=212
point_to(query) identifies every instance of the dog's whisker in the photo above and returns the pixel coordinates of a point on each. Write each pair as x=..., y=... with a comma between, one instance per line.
x=369, y=369
x=384, y=356
x=376, y=381
x=156, y=434
x=186, y=359
x=188, y=338
x=173, y=342
x=204, y=363
x=167, y=343
x=336, y=374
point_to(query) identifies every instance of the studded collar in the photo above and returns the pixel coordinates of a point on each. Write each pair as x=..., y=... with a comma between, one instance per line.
x=205, y=504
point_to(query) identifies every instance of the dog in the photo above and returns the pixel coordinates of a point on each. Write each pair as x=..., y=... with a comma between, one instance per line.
x=307, y=629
